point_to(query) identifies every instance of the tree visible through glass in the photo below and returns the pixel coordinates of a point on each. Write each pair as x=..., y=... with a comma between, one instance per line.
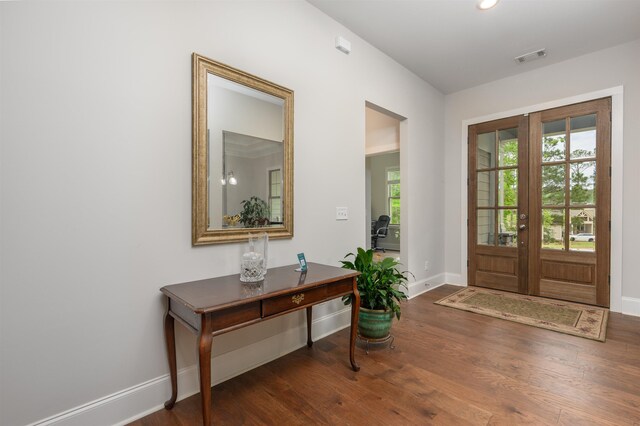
x=575, y=172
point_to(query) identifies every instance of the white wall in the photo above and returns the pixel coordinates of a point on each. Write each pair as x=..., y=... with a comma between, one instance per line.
x=617, y=66
x=96, y=184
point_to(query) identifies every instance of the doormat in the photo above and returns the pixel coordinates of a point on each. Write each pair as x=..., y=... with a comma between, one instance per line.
x=576, y=319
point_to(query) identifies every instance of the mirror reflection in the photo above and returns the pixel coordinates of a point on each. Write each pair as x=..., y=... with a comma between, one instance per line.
x=243, y=155
x=246, y=135
x=251, y=181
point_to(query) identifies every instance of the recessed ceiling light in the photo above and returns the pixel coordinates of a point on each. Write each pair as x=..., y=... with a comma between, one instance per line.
x=486, y=4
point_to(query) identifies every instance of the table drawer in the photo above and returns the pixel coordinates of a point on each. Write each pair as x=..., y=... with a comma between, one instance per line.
x=305, y=298
x=235, y=315
x=293, y=301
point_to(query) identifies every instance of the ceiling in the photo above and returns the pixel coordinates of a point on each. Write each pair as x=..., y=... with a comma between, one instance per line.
x=453, y=45
x=246, y=146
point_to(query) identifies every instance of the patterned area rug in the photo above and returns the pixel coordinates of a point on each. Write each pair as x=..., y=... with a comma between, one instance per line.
x=585, y=321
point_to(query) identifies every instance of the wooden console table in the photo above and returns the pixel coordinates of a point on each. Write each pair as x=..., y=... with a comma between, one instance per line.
x=218, y=305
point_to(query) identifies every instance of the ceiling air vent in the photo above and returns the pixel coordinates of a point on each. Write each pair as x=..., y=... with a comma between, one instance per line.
x=528, y=57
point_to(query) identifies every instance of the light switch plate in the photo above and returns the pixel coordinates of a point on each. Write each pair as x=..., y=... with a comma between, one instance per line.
x=342, y=213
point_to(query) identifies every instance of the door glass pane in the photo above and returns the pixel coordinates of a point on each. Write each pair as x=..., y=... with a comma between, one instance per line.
x=583, y=137
x=486, y=151
x=553, y=229
x=583, y=182
x=508, y=147
x=553, y=141
x=486, y=189
x=582, y=236
x=508, y=187
x=486, y=227
x=553, y=180
x=507, y=228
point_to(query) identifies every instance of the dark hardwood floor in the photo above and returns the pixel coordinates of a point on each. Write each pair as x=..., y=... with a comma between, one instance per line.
x=448, y=367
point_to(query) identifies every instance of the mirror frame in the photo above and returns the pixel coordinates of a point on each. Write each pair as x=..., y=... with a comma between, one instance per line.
x=201, y=234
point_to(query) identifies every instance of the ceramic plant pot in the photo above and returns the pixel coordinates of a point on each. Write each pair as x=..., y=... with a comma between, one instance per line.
x=374, y=324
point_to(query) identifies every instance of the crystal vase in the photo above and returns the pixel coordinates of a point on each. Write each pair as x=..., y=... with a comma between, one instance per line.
x=253, y=262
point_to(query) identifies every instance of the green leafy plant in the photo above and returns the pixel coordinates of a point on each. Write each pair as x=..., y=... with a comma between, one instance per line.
x=379, y=282
x=255, y=212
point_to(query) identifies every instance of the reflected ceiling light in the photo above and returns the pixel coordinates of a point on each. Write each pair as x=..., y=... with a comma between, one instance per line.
x=228, y=178
x=232, y=179
x=486, y=4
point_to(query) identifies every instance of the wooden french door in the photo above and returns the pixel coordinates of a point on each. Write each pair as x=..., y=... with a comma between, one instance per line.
x=498, y=198
x=538, y=186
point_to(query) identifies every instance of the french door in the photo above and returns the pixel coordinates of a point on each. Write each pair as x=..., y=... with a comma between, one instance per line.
x=539, y=203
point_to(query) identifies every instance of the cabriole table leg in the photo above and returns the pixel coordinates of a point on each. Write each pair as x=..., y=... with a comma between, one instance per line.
x=204, y=359
x=170, y=340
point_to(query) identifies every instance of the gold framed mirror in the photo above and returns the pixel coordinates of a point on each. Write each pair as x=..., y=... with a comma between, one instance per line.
x=242, y=155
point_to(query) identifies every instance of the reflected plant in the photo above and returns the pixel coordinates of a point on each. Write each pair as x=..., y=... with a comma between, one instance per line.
x=255, y=212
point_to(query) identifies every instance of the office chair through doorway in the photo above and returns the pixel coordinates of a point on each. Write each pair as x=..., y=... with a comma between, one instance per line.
x=379, y=229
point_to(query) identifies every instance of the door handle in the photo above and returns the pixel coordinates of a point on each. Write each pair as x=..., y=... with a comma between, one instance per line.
x=522, y=227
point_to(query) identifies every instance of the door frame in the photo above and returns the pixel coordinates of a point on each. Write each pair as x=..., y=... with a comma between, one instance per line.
x=616, y=94
x=403, y=140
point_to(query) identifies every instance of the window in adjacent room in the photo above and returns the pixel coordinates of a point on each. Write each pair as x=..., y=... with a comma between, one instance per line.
x=275, y=195
x=393, y=194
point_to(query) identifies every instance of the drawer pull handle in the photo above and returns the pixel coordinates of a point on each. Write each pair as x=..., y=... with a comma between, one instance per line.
x=297, y=298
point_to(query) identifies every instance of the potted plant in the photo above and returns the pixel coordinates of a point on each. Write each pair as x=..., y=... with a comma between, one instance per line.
x=255, y=212
x=379, y=286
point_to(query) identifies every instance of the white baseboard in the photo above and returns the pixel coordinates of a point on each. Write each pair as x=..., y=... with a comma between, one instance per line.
x=140, y=400
x=455, y=279
x=631, y=306
x=418, y=287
